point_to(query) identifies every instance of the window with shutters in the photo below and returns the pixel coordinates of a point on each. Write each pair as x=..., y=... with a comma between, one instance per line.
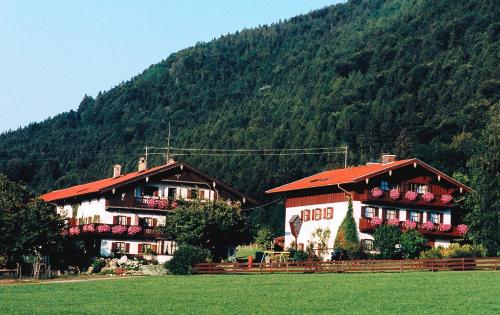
x=435, y=217
x=201, y=194
x=306, y=215
x=193, y=193
x=317, y=214
x=329, y=213
x=390, y=214
x=121, y=220
x=146, y=249
x=414, y=216
x=301, y=246
x=149, y=222
x=120, y=247
x=172, y=193
x=369, y=212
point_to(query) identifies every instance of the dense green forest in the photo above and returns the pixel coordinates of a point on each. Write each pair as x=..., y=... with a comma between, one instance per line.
x=415, y=78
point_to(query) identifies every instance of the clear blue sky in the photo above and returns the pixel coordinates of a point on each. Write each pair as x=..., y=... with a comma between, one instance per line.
x=52, y=53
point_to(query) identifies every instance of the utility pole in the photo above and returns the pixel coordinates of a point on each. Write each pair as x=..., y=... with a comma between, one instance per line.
x=146, y=155
x=167, y=156
x=345, y=156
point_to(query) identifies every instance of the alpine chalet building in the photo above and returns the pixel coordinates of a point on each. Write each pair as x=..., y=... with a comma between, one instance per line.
x=123, y=211
x=407, y=193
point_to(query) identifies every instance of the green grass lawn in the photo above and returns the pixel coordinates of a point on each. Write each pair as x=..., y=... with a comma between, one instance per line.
x=429, y=293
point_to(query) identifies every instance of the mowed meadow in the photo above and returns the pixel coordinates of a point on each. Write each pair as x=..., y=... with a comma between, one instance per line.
x=394, y=293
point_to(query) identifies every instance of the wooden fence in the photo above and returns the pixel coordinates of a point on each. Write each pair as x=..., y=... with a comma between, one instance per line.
x=457, y=264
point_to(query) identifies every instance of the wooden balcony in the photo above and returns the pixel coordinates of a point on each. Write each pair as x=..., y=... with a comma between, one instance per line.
x=365, y=226
x=145, y=233
x=386, y=200
x=141, y=203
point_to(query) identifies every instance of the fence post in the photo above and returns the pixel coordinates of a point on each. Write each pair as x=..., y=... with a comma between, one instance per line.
x=401, y=266
x=463, y=264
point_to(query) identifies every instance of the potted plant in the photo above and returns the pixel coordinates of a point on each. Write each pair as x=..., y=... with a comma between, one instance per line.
x=428, y=197
x=428, y=226
x=395, y=194
x=410, y=225
x=377, y=192
x=446, y=198
x=444, y=227
x=411, y=195
x=463, y=229
x=393, y=221
x=376, y=221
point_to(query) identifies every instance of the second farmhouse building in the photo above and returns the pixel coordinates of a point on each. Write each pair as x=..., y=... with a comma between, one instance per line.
x=405, y=192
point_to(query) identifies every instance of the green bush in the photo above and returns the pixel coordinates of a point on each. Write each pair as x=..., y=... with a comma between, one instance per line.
x=264, y=238
x=97, y=265
x=455, y=251
x=433, y=253
x=463, y=251
x=185, y=258
x=385, y=241
x=346, y=240
x=411, y=244
x=299, y=255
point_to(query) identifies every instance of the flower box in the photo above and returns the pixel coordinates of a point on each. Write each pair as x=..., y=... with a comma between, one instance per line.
x=446, y=199
x=377, y=192
x=119, y=229
x=395, y=194
x=428, y=197
x=74, y=230
x=104, y=228
x=134, y=229
x=411, y=195
x=444, y=227
x=428, y=226
x=394, y=221
x=376, y=221
x=410, y=225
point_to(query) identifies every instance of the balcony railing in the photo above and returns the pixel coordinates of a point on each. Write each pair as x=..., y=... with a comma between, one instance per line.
x=386, y=199
x=365, y=226
x=146, y=203
x=112, y=230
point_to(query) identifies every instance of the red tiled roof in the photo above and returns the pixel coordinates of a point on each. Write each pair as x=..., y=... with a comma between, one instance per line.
x=99, y=185
x=352, y=175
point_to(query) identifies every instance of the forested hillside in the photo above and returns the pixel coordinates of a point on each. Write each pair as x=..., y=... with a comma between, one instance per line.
x=415, y=78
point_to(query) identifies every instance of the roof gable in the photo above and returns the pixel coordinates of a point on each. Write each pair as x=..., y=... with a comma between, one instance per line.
x=108, y=184
x=356, y=174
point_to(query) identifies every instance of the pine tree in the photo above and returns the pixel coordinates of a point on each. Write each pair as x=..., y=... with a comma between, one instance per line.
x=347, y=236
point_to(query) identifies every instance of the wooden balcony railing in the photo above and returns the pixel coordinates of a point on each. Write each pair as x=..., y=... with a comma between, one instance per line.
x=385, y=199
x=111, y=230
x=366, y=226
x=146, y=203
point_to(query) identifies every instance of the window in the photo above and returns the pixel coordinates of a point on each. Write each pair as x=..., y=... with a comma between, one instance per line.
x=367, y=245
x=384, y=185
x=146, y=249
x=172, y=193
x=201, y=194
x=328, y=213
x=419, y=188
x=121, y=220
x=306, y=215
x=390, y=214
x=301, y=246
x=317, y=214
x=435, y=217
x=369, y=212
x=149, y=222
x=119, y=247
x=414, y=216
x=192, y=193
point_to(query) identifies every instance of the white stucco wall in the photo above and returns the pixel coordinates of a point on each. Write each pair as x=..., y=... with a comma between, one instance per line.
x=134, y=245
x=339, y=212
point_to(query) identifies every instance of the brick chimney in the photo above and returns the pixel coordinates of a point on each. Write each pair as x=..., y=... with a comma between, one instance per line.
x=388, y=158
x=117, y=170
x=142, y=165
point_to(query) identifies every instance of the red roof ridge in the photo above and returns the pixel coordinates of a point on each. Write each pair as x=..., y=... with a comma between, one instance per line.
x=354, y=174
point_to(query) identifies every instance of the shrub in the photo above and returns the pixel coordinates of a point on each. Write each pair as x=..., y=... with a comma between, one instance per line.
x=346, y=239
x=264, y=238
x=185, y=258
x=97, y=265
x=433, y=253
x=463, y=251
x=299, y=255
x=411, y=244
x=386, y=239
